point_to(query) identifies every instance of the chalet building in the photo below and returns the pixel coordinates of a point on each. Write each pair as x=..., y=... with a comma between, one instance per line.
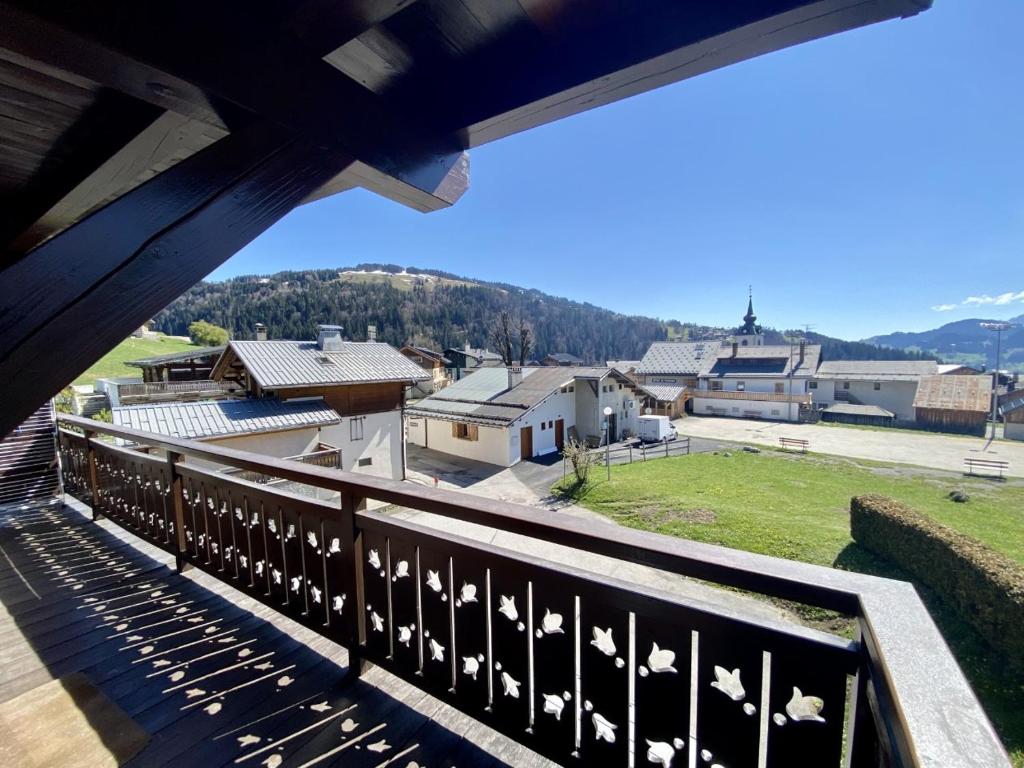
x=362, y=382
x=561, y=358
x=268, y=426
x=1011, y=410
x=190, y=365
x=137, y=162
x=954, y=403
x=434, y=363
x=877, y=392
x=757, y=381
x=668, y=373
x=504, y=415
x=625, y=367
x=468, y=359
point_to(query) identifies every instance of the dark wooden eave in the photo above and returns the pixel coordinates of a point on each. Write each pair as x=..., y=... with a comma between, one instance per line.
x=142, y=145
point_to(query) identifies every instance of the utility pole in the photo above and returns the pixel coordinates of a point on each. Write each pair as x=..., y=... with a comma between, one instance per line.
x=998, y=328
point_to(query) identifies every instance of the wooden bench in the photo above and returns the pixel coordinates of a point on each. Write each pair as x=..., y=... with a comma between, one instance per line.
x=992, y=465
x=794, y=443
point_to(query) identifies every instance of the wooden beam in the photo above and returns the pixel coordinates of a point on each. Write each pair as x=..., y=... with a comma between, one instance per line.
x=577, y=56
x=241, y=58
x=108, y=123
x=75, y=297
x=164, y=142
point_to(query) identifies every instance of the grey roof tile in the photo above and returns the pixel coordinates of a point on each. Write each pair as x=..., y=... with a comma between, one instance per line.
x=485, y=396
x=663, y=392
x=680, y=358
x=281, y=364
x=877, y=370
x=212, y=418
x=855, y=409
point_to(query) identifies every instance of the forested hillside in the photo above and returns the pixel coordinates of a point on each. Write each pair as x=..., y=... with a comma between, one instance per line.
x=432, y=309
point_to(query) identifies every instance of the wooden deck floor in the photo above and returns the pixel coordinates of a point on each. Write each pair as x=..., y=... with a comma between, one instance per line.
x=214, y=677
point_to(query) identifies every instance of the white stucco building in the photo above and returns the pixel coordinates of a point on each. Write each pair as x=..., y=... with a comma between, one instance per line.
x=757, y=381
x=890, y=385
x=504, y=415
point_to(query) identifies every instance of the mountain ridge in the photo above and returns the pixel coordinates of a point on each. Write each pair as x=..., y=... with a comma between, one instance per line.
x=438, y=309
x=963, y=341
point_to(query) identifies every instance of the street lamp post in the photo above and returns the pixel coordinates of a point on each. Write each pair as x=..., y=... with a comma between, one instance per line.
x=607, y=440
x=998, y=328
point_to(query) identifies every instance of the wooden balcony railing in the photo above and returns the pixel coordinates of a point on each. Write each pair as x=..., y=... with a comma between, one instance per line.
x=150, y=388
x=760, y=397
x=580, y=667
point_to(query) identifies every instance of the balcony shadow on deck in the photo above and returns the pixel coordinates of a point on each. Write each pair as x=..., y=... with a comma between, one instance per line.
x=213, y=677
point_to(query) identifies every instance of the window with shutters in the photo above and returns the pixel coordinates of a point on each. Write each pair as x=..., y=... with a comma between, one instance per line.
x=465, y=431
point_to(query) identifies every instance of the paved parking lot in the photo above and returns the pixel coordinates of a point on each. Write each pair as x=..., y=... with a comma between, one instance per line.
x=896, y=445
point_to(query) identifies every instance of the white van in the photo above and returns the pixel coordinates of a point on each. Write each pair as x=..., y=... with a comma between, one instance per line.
x=656, y=429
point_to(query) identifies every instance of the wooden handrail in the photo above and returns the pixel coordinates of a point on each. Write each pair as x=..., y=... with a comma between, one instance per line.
x=918, y=688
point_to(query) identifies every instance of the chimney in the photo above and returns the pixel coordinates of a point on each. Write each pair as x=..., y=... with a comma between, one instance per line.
x=467, y=348
x=803, y=347
x=371, y=333
x=329, y=338
x=261, y=332
x=515, y=376
x=735, y=348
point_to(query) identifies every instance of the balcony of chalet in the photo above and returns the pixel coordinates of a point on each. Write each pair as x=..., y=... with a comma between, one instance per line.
x=169, y=611
x=158, y=610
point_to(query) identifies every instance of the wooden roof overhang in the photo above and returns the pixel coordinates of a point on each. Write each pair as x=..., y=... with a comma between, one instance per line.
x=141, y=144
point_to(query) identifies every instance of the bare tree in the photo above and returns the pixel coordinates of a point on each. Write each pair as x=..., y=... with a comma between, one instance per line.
x=501, y=336
x=525, y=339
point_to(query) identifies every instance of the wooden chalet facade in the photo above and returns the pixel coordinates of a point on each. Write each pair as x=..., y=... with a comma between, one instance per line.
x=363, y=383
x=434, y=363
x=954, y=403
x=151, y=142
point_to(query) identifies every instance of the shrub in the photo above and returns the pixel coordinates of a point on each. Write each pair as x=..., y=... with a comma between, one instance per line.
x=984, y=586
x=581, y=459
x=207, y=334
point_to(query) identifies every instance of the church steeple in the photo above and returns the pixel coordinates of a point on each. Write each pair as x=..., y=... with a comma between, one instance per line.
x=749, y=327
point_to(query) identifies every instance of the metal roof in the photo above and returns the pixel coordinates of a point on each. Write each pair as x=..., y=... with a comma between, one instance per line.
x=877, y=370
x=564, y=357
x=428, y=353
x=486, y=398
x=954, y=393
x=772, y=360
x=681, y=358
x=853, y=409
x=213, y=418
x=663, y=392
x=283, y=364
x=1011, y=402
x=188, y=354
x=623, y=366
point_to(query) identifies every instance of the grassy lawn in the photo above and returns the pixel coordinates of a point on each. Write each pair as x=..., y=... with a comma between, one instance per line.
x=797, y=507
x=794, y=506
x=112, y=363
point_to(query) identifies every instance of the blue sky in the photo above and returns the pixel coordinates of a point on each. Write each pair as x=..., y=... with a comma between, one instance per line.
x=865, y=183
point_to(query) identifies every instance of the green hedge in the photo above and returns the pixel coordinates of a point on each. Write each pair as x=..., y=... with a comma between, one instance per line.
x=985, y=587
